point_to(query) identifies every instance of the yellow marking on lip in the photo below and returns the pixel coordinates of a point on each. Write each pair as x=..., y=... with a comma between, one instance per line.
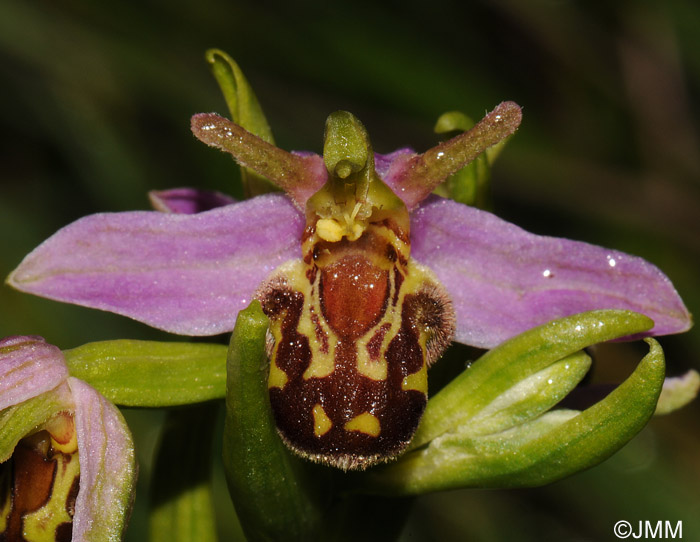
x=42, y=523
x=376, y=370
x=322, y=423
x=278, y=378
x=364, y=423
x=417, y=381
x=5, y=489
x=321, y=365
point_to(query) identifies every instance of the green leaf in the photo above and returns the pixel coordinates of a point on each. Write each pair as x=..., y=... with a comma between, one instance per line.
x=505, y=448
x=245, y=111
x=530, y=397
x=181, y=497
x=517, y=359
x=151, y=373
x=277, y=496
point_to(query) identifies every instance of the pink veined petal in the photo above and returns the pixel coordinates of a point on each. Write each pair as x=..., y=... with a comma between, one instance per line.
x=186, y=274
x=504, y=280
x=107, y=466
x=187, y=200
x=28, y=367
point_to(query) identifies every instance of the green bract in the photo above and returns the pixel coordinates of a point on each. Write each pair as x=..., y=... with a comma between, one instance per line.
x=276, y=495
x=487, y=427
x=151, y=373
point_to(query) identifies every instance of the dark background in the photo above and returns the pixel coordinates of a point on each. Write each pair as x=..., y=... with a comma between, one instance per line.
x=96, y=100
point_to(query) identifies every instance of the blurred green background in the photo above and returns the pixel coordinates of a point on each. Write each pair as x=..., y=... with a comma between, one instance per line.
x=96, y=103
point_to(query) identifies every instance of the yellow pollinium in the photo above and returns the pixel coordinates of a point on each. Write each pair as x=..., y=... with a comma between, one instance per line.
x=322, y=423
x=364, y=423
x=331, y=230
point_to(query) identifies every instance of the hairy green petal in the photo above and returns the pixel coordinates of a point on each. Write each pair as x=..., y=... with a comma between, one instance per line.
x=151, y=373
x=469, y=185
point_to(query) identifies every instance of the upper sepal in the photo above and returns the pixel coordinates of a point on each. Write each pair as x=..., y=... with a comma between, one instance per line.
x=245, y=111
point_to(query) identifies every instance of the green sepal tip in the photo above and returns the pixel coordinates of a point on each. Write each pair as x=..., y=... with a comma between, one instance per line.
x=245, y=111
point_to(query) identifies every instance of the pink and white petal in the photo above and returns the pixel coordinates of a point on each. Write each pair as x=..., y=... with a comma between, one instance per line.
x=187, y=200
x=504, y=280
x=107, y=467
x=29, y=366
x=186, y=274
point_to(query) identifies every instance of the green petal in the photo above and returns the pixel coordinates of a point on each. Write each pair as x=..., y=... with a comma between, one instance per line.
x=151, y=373
x=182, y=509
x=275, y=494
x=469, y=185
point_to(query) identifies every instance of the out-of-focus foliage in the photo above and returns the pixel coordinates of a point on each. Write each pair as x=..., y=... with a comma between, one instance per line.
x=96, y=104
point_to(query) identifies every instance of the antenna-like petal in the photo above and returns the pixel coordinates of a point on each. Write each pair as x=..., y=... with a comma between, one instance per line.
x=413, y=178
x=300, y=176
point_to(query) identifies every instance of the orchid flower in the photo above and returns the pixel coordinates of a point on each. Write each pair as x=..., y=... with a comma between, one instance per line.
x=359, y=253
x=191, y=272
x=342, y=289
x=68, y=467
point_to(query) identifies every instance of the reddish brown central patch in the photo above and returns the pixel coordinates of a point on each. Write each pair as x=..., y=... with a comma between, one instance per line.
x=353, y=295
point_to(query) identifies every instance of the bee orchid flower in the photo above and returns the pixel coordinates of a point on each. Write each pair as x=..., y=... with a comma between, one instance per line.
x=365, y=275
x=190, y=272
x=67, y=458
